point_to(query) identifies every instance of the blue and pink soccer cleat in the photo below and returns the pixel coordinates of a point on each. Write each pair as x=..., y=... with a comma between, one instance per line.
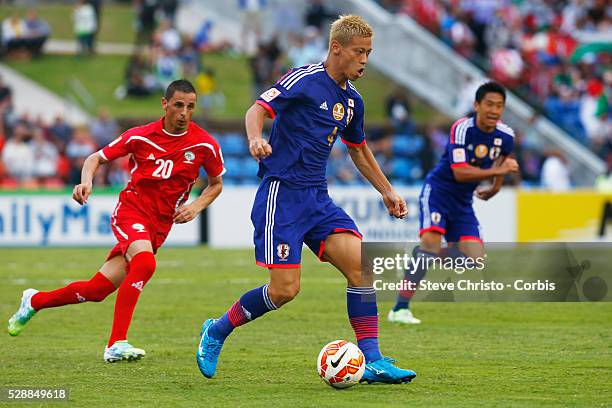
x=208, y=352
x=383, y=371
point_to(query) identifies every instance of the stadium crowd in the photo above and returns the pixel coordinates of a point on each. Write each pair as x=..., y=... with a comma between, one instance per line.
x=567, y=89
x=557, y=55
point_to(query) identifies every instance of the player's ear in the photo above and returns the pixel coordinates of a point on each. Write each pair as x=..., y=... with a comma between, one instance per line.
x=334, y=47
x=164, y=102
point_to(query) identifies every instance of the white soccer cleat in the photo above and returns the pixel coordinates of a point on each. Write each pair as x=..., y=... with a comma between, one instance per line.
x=404, y=316
x=23, y=315
x=122, y=350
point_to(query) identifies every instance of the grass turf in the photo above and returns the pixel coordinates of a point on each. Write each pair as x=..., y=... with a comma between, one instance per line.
x=465, y=354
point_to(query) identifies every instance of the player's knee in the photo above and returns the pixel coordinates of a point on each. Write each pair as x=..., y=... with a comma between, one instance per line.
x=144, y=264
x=283, y=294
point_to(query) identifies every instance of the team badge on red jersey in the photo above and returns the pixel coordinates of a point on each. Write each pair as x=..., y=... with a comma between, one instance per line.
x=189, y=156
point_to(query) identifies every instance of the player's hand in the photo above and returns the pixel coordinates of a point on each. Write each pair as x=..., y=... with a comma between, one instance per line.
x=486, y=192
x=260, y=149
x=395, y=204
x=81, y=192
x=185, y=213
x=509, y=165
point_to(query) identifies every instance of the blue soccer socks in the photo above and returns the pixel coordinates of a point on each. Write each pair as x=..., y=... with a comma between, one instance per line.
x=250, y=306
x=363, y=315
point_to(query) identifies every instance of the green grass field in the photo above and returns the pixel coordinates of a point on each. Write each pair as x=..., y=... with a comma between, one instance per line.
x=465, y=354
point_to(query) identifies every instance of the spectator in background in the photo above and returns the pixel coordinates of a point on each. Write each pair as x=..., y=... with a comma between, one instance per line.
x=139, y=81
x=103, y=128
x=265, y=67
x=399, y=112
x=168, y=9
x=317, y=15
x=45, y=157
x=145, y=21
x=13, y=36
x=17, y=155
x=555, y=174
x=97, y=6
x=308, y=49
x=85, y=26
x=79, y=148
x=168, y=37
x=250, y=18
x=36, y=32
x=60, y=132
x=167, y=68
x=6, y=101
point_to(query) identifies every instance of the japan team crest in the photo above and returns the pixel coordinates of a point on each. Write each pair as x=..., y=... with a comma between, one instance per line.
x=481, y=151
x=338, y=111
x=436, y=217
x=282, y=250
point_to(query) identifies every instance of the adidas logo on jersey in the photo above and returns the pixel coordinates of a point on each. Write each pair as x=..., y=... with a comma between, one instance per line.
x=323, y=106
x=151, y=157
x=138, y=285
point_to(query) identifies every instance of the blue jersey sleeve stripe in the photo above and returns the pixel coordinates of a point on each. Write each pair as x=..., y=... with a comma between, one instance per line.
x=454, y=130
x=288, y=78
x=505, y=129
x=305, y=74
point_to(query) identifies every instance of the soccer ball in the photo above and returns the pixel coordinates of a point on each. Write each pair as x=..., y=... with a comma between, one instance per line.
x=341, y=364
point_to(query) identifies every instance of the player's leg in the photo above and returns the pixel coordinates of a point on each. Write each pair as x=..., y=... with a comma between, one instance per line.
x=96, y=289
x=433, y=214
x=278, y=242
x=283, y=287
x=141, y=267
x=465, y=237
x=343, y=250
x=429, y=247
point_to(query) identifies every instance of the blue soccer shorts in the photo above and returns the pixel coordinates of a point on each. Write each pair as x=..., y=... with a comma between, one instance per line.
x=285, y=218
x=453, y=218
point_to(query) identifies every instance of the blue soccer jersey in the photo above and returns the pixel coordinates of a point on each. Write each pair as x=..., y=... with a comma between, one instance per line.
x=469, y=146
x=445, y=204
x=310, y=112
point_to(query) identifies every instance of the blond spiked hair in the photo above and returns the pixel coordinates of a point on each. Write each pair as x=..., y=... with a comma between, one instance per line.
x=346, y=27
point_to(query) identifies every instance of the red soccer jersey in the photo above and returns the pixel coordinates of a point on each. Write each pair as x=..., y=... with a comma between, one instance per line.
x=164, y=166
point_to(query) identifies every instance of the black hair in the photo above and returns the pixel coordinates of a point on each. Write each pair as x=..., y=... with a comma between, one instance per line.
x=180, y=85
x=490, y=87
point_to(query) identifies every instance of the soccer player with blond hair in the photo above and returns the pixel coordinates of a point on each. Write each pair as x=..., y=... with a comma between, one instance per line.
x=312, y=106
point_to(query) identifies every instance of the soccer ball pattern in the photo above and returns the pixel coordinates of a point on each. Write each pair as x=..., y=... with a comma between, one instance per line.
x=341, y=364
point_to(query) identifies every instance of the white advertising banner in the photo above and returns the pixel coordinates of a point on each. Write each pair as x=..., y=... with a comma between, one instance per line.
x=56, y=220
x=230, y=224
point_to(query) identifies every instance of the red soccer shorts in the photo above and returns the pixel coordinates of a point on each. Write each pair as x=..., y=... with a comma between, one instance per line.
x=129, y=225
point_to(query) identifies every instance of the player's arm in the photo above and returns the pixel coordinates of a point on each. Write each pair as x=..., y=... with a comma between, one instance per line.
x=81, y=191
x=188, y=212
x=368, y=166
x=470, y=174
x=254, y=121
x=486, y=193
